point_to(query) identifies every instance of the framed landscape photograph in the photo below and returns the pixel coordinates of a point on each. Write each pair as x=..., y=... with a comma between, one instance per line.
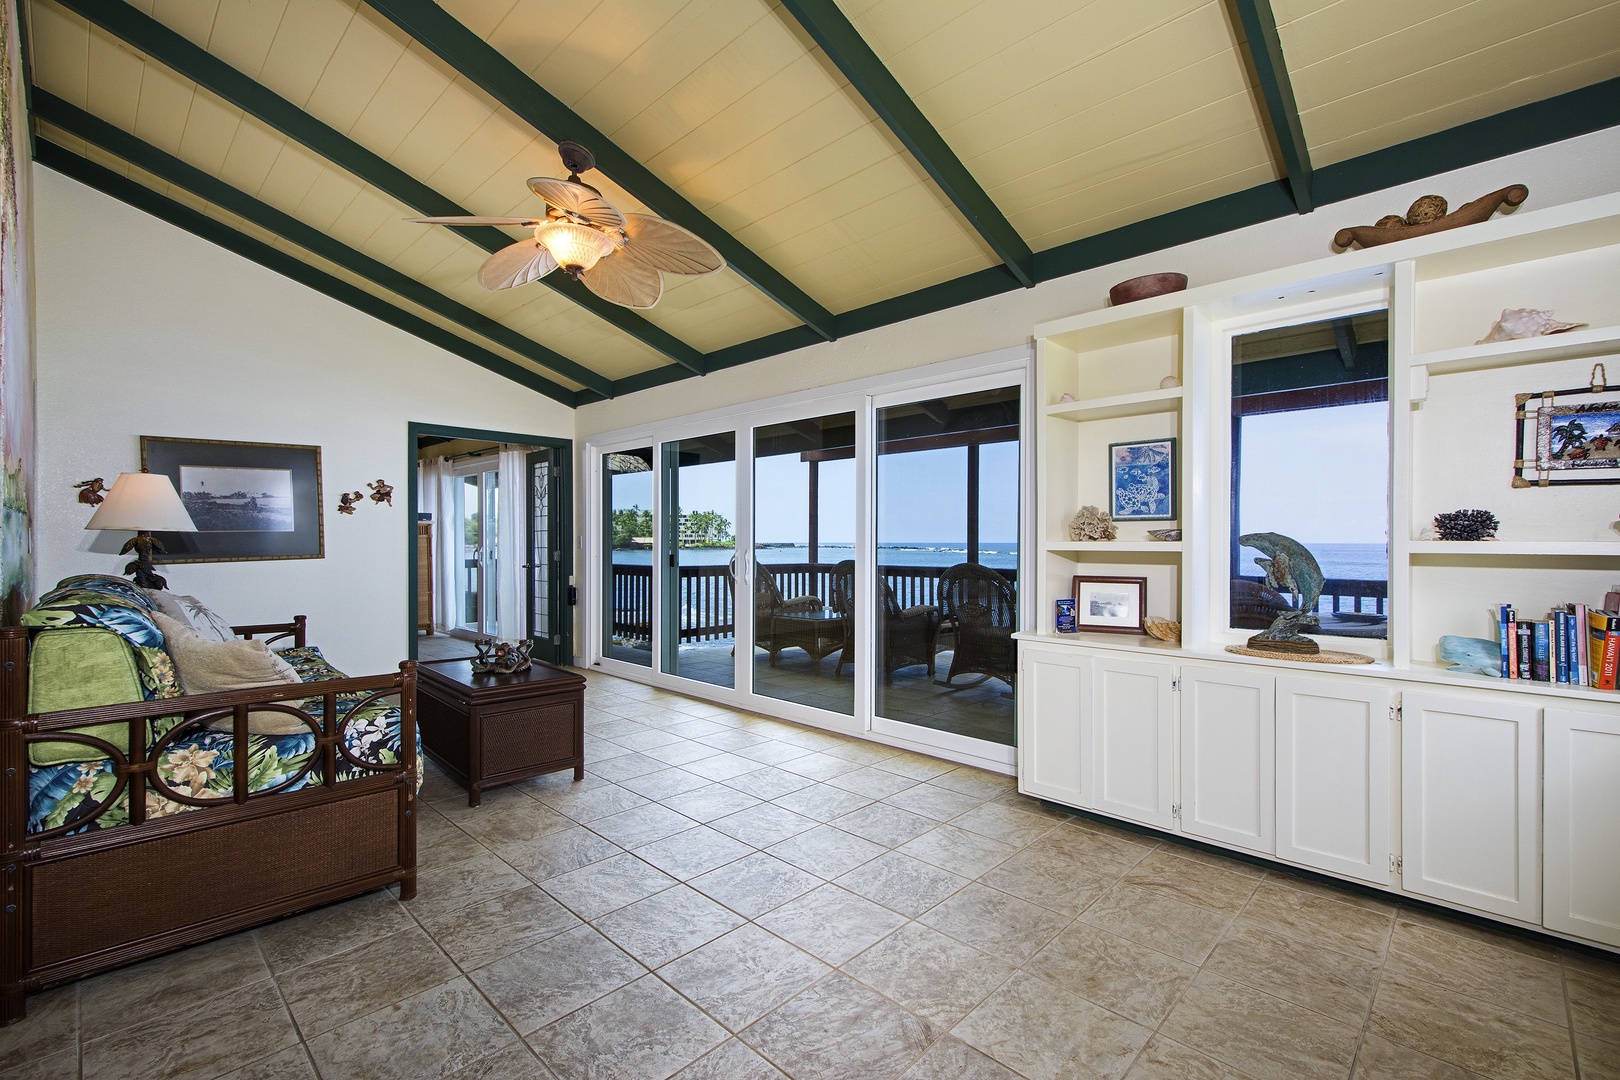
x=1143, y=479
x=1110, y=605
x=248, y=500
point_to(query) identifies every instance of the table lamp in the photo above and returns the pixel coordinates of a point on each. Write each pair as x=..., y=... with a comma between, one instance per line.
x=142, y=502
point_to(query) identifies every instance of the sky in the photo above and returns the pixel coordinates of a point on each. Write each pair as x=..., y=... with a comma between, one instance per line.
x=922, y=496
x=1320, y=476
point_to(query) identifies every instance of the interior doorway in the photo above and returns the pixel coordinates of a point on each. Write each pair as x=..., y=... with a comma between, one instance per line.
x=490, y=548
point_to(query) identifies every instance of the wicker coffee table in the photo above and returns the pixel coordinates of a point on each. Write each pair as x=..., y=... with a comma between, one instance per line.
x=487, y=730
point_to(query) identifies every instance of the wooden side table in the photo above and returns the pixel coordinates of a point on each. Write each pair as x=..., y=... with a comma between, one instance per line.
x=488, y=729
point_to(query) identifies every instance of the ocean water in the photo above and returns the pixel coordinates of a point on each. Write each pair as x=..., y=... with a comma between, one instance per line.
x=1357, y=562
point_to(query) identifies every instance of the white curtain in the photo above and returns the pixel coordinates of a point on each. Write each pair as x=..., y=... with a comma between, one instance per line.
x=436, y=489
x=511, y=603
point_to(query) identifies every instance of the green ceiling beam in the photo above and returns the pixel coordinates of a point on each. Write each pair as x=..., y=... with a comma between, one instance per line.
x=144, y=198
x=92, y=129
x=846, y=48
x=502, y=80
x=1271, y=70
x=197, y=64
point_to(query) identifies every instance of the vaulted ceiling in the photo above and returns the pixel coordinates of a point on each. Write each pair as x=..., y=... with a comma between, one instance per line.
x=857, y=162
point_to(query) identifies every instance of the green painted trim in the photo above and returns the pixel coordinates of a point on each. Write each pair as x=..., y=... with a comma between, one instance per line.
x=845, y=47
x=76, y=121
x=414, y=429
x=197, y=64
x=502, y=80
x=1271, y=72
x=141, y=197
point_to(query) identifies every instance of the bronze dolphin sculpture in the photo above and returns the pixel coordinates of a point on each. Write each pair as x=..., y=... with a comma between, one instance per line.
x=1292, y=569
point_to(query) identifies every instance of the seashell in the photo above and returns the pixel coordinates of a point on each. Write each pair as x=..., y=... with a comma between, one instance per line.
x=1164, y=534
x=1163, y=629
x=1067, y=398
x=1389, y=221
x=1517, y=323
x=1426, y=209
x=1092, y=524
x=1169, y=382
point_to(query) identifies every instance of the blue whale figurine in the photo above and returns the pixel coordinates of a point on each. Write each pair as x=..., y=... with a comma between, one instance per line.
x=1478, y=655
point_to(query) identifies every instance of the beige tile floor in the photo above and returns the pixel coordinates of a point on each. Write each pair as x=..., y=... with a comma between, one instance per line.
x=729, y=897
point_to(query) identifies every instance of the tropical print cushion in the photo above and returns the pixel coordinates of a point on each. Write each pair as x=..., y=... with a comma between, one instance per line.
x=117, y=605
x=200, y=764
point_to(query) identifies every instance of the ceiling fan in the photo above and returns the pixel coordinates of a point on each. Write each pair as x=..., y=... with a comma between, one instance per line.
x=620, y=257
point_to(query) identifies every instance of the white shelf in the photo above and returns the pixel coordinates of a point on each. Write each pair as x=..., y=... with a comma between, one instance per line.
x=1560, y=549
x=1104, y=408
x=1593, y=341
x=1080, y=547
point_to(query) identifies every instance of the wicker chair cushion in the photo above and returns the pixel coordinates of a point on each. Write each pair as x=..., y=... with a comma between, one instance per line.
x=207, y=666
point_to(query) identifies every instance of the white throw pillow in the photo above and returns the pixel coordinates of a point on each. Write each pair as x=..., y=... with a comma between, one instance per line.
x=206, y=666
x=168, y=603
x=203, y=620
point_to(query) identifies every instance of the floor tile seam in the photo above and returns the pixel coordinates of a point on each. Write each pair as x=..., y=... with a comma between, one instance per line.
x=1569, y=1017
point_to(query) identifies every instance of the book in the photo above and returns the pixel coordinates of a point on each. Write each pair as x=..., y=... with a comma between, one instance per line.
x=1527, y=649
x=1065, y=615
x=1505, y=619
x=1582, y=665
x=1560, y=646
x=1512, y=644
x=1603, y=645
x=1541, y=654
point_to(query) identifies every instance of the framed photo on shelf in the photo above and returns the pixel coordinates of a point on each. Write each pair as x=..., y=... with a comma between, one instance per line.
x=1111, y=605
x=249, y=501
x=1568, y=436
x=1142, y=478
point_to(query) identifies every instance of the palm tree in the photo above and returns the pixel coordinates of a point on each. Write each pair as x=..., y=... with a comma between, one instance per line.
x=1567, y=435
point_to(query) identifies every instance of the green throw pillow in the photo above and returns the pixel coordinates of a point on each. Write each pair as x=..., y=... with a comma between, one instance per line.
x=80, y=667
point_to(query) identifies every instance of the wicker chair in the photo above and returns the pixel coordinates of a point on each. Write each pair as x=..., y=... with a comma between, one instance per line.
x=980, y=604
x=768, y=603
x=906, y=636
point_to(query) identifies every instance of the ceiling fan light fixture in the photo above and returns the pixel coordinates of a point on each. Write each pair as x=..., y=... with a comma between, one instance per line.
x=576, y=247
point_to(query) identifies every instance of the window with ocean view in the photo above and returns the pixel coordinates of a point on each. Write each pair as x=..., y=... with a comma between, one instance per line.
x=1310, y=461
x=627, y=616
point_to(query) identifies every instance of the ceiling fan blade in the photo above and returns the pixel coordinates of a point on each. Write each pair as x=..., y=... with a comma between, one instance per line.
x=624, y=281
x=514, y=265
x=668, y=247
x=466, y=219
x=582, y=204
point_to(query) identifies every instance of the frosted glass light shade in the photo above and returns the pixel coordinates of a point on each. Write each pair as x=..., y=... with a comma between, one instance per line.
x=142, y=501
x=575, y=247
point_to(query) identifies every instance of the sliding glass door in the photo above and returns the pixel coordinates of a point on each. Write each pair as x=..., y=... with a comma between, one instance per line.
x=803, y=573
x=627, y=589
x=699, y=558
x=945, y=600
x=477, y=579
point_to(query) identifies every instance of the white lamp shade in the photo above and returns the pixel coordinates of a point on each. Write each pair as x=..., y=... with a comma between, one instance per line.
x=573, y=245
x=142, y=501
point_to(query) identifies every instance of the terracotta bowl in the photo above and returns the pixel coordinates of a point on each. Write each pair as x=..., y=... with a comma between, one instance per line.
x=1140, y=288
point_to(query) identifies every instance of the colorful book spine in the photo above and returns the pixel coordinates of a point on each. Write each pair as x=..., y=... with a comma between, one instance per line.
x=1513, y=644
x=1527, y=649
x=1603, y=643
x=1583, y=665
x=1560, y=627
x=1541, y=654
x=1505, y=616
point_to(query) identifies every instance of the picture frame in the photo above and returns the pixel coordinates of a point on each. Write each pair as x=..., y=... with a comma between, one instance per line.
x=1568, y=436
x=250, y=501
x=1110, y=605
x=1142, y=480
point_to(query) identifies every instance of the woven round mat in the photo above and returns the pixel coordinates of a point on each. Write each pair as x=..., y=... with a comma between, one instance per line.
x=1326, y=656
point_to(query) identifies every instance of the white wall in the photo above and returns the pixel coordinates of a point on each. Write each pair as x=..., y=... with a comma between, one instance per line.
x=147, y=330
x=1563, y=172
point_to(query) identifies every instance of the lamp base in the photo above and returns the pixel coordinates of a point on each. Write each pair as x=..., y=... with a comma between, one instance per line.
x=140, y=568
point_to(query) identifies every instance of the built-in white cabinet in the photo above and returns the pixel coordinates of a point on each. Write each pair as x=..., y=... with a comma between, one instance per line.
x=1228, y=755
x=1132, y=725
x=1334, y=741
x=1054, y=684
x=1471, y=802
x=1581, y=869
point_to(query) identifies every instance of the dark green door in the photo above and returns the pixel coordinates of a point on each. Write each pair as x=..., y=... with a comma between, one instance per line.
x=548, y=563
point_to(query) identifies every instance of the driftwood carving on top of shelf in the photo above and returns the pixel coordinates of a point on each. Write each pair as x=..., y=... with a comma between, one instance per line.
x=1420, y=222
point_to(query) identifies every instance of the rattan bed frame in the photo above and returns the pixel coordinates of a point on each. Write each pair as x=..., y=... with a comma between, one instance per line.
x=79, y=904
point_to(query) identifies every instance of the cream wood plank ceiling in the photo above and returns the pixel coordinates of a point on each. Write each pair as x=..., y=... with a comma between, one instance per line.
x=1072, y=117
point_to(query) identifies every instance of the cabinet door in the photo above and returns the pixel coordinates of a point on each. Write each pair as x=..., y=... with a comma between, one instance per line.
x=1053, y=684
x=1582, y=842
x=1132, y=722
x=1471, y=802
x=1229, y=755
x=1333, y=776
